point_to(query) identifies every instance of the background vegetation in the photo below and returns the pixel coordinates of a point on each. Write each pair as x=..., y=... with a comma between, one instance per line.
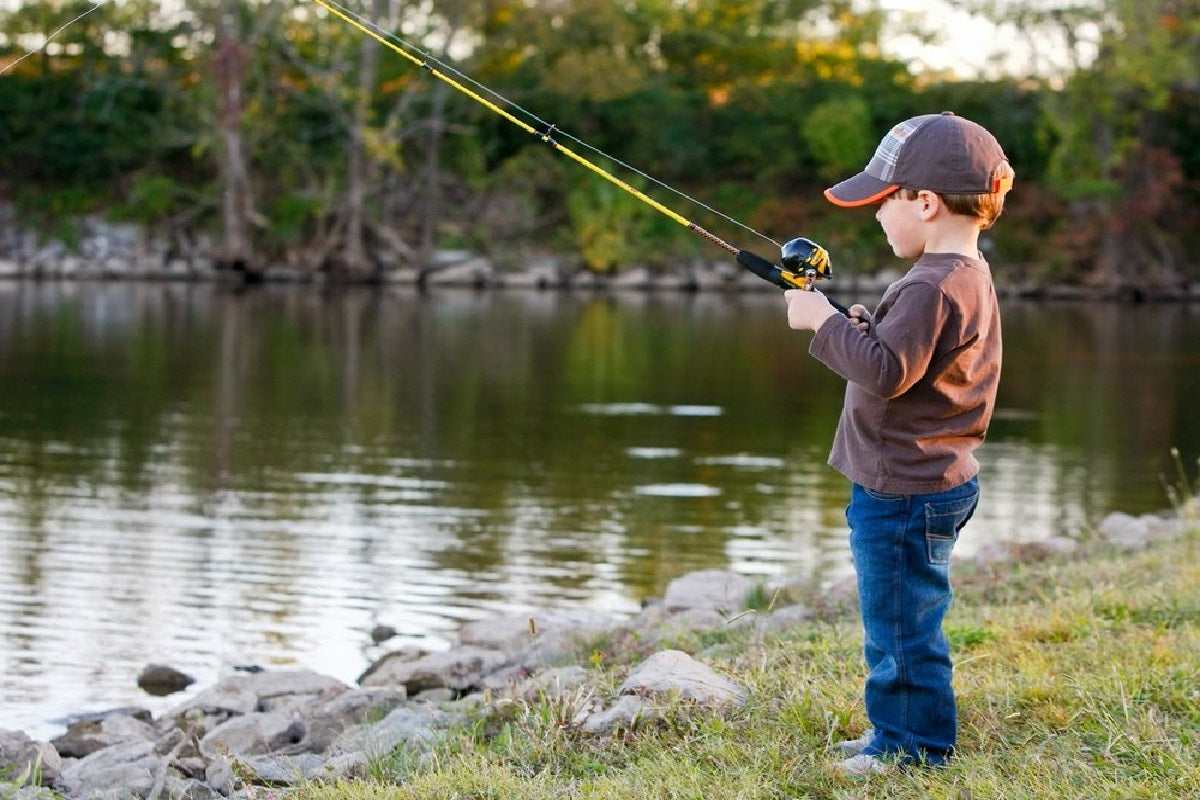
x=284, y=135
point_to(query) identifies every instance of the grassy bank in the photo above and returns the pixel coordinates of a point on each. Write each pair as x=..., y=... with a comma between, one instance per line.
x=1076, y=679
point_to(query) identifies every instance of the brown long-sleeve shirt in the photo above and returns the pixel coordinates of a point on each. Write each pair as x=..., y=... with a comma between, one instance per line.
x=921, y=385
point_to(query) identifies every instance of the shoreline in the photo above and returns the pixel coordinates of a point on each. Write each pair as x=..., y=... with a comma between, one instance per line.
x=291, y=727
x=457, y=270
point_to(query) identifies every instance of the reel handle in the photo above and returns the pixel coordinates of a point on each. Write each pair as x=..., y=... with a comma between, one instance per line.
x=811, y=262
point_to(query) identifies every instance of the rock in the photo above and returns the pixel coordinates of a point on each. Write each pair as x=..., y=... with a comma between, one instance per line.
x=274, y=770
x=633, y=278
x=474, y=271
x=627, y=713
x=20, y=755
x=716, y=590
x=381, y=633
x=460, y=669
x=540, y=640
x=268, y=685
x=518, y=632
x=416, y=729
x=188, y=789
x=1125, y=531
x=87, y=736
x=553, y=684
x=122, y=770
x=406, y=653
x=785, y=617
x=673, y=671
x=328, y=718
x=232, y=695
x=253, y=734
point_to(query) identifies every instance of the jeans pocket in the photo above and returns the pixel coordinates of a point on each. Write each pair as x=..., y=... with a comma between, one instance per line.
x=886, y=496
x=943, y=521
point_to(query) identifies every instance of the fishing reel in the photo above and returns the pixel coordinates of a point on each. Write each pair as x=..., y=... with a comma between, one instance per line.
x=804, y=262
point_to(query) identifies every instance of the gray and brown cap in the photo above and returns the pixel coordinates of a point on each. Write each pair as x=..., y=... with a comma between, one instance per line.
x=943, y=153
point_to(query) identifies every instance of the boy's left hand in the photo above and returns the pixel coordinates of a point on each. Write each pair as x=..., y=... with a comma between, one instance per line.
x=807, y=310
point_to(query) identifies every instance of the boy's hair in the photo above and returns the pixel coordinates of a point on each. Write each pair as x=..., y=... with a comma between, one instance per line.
x=986, y=208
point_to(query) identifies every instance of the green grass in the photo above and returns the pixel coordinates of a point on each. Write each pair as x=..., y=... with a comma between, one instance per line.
x=1076, y=679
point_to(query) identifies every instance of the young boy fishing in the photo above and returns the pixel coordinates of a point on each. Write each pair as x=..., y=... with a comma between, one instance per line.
x=921, y=375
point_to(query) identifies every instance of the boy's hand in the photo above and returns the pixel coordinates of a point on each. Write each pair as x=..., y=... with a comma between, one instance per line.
x=860, y=317
x=807, y=310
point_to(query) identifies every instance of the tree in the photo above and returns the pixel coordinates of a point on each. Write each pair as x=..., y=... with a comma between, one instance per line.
x=1131, y=76
x=236, y=199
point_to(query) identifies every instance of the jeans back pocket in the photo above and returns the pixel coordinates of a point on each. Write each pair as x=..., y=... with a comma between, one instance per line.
x=943, y=520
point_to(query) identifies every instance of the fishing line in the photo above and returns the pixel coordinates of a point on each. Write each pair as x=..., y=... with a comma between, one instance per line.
x=46, y=43
x=548, y=133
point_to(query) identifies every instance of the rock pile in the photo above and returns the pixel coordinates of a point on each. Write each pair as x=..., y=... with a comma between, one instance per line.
x=277, y=728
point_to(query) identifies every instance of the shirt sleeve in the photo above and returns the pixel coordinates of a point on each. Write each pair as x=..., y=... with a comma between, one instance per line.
x=896, y=353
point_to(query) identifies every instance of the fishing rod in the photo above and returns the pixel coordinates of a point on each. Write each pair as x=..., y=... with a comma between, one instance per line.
x=46, y=43
x=803, y=261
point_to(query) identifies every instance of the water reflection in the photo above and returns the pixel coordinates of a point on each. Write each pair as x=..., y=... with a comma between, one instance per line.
x=211, y=478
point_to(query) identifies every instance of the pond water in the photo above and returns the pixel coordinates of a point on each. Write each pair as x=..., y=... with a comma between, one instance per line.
x=207, y=477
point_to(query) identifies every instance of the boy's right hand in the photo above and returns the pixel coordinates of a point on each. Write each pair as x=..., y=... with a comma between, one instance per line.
x=860, y=317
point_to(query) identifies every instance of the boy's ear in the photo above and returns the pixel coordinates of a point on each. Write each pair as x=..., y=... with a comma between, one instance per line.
x=929, y=205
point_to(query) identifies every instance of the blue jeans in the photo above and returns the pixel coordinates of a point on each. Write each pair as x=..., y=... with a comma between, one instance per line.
x=901, y=546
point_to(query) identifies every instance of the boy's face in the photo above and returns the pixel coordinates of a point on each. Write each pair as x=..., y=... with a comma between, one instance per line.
x=901, y=220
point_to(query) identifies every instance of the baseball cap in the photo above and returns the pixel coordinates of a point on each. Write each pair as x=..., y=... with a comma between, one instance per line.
x=943, y=153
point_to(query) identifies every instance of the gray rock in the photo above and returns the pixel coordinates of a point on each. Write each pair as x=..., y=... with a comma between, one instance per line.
x=87, y=736
x=470, y=271
x=460, y=668
x=1125, y=531
x=381, y=633
x=256, y=733
x=633, y=278
x=416, y=729
x=717, y=590
x=675, y=672
x=784, y=618
x=326, y=718
x=268, y=684
x=121, y=770
x=274, y=770
x=512, y=634
x=627, y=713
x=1135, y=533
x=552, y=685
x=20, y=755
x=162, y=679
x=177, y=788
x=232, y=695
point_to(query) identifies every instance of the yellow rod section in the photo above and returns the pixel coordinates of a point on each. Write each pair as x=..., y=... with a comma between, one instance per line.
x=545, y=137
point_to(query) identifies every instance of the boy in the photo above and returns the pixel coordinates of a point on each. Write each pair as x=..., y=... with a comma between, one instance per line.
x=921, y=386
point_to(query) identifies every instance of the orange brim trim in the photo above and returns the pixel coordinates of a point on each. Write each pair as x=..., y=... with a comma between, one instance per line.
x=878, y=197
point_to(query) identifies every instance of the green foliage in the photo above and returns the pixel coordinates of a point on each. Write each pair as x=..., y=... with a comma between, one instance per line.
x=605, y=223
x=752, y=106
x=838, y=133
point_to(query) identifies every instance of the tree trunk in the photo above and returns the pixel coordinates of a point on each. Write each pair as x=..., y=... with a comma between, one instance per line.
x=433, y=174
x=235, y=250
x=353, y=263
